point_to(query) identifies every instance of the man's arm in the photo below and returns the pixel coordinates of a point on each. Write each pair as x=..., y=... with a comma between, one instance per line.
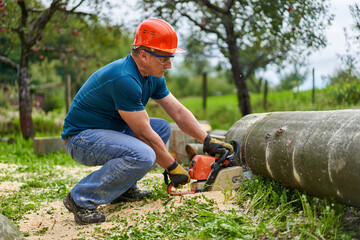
x=139, y=123
x=183, y=117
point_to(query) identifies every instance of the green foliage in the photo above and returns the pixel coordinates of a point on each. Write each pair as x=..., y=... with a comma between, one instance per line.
x=183, y=84
x=344, y=84
x=43, y=72
x=4, y=100
x=292, y=79
x=250, y=35
x=345, y=93
x=54, y=99
x=293, y=214
x=222, y=111
x=45, y=124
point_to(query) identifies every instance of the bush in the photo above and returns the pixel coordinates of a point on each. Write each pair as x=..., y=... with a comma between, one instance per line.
x=44, y=124
x=4, y=101
x=348, y=93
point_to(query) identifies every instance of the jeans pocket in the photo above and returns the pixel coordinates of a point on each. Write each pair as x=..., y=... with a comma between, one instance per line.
x=82, y=156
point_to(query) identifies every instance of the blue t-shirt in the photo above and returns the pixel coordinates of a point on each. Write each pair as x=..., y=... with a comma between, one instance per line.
x=117, y=86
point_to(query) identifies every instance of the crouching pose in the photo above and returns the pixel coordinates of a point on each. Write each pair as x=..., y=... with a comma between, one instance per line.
x=107, y=125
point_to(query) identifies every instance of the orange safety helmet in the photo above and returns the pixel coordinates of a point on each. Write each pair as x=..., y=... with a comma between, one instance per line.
x=157, y=34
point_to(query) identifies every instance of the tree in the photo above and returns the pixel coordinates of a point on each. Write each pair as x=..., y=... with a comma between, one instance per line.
x=250, y=34
x=355, y=13
x=28, y=20
x=292, y=79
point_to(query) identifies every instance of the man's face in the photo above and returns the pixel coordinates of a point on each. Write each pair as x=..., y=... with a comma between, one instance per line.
x=160, y=62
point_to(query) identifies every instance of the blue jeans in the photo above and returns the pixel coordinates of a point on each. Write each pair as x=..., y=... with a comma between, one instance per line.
x=124, y=159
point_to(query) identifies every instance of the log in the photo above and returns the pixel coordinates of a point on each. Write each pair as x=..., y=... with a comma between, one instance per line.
x=178, y=141
x=314, y=151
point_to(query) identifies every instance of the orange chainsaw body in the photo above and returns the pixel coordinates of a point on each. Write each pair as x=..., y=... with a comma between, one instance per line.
x=200, y=167
x=205, y=169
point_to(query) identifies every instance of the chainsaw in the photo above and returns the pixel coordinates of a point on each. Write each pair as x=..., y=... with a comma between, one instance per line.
x=212, y=173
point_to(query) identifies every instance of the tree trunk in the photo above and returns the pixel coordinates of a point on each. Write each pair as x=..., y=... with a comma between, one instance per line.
x=68, y=92
x=243, y=92
x=314, y=151
x=25, y=105
x=238, y=74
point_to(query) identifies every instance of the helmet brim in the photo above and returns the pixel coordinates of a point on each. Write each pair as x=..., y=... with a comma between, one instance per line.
x=174, y=50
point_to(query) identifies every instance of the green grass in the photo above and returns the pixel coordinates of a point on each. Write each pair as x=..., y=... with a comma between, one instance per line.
x=265, y=209
x=223, y=111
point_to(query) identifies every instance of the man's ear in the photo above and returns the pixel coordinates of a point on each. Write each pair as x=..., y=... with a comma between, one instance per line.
x=143, y=56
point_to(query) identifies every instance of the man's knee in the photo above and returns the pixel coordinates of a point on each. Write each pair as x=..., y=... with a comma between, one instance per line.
x=162, y=127
x=147, y=157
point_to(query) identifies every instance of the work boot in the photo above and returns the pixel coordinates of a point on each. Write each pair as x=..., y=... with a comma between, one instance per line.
x=132, y=195
x=82, y=215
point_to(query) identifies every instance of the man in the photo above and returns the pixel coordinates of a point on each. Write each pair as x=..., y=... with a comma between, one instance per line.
x=108, y=125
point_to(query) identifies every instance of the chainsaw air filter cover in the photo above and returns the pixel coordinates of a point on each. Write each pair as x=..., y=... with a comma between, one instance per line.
x=200, y=167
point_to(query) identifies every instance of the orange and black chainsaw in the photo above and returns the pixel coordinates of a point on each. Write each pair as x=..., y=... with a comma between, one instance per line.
x=205, y=170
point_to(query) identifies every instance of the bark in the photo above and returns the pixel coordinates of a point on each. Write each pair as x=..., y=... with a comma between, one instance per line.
x=8, y=63
x=238, y=74
x=25, y=105
x=314, y=151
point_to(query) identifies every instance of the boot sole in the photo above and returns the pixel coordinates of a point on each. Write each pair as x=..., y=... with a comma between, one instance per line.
x=69, y=206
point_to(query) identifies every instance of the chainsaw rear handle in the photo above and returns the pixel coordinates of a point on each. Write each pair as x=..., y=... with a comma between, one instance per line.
x=225, y=155
x=236, y=147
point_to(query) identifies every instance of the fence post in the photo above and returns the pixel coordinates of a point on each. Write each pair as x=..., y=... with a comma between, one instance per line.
x=313, y=90
x=204, y=90
x=265, y=94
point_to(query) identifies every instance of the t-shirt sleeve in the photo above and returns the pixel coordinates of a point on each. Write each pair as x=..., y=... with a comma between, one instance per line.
x=127, y=95
x=161, y=89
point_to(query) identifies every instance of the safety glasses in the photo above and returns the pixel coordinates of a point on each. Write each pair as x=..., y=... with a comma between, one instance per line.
x=163, y=60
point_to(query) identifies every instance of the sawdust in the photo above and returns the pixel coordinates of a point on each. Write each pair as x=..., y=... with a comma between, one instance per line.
x=60, y=224
x=6, y=187
x=54, y=221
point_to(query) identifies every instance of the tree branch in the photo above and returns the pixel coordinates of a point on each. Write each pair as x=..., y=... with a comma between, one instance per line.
x=40, y=23
x=9, y=63
x=254, y=64
x=74, y=8
x=203, y=26
x=228, y=5
x=24, y=16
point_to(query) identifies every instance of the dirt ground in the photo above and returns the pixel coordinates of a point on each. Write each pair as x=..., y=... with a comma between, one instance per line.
x=60, y=223
x=54, y=221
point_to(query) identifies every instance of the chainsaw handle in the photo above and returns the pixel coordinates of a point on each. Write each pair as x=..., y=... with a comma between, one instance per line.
x=170, y=185
x=236, y=148
x=226, y=156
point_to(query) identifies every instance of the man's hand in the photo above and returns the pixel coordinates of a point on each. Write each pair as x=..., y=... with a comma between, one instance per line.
x=214, y=146
x=178, y=175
